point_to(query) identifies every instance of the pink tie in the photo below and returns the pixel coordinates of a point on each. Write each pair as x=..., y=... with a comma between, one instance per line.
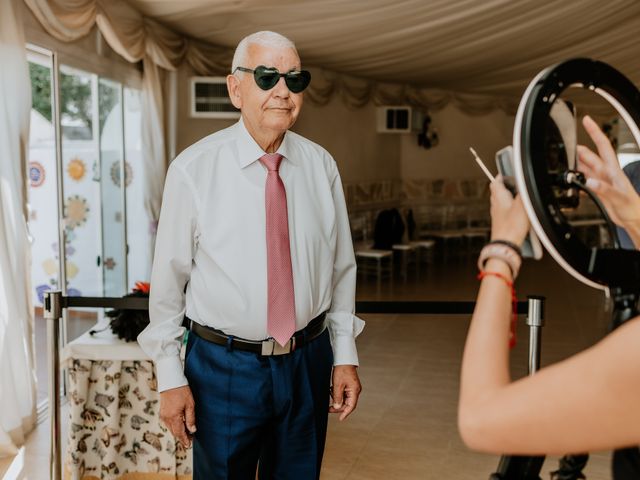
x=281, y=311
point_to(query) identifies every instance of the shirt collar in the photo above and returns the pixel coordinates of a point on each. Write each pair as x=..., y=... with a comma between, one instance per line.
x=249, y=151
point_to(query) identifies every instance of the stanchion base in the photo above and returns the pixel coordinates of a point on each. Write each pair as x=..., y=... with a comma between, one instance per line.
x=518, y=468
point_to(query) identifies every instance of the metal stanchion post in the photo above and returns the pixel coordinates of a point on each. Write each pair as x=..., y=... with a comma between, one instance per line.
x=535, y=320
x=516, y=467
x=52, y=313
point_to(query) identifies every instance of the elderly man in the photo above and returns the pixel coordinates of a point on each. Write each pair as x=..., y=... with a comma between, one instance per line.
x=254, y=225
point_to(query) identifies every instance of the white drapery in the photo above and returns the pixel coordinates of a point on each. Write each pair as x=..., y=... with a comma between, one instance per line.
x=153, y=144
x=477, y=54
x=17, y=376
x=473, y=46
x=131, y=30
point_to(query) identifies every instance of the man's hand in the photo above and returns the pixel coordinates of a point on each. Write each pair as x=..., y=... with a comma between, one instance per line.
x=177, y=411
x=345, y=390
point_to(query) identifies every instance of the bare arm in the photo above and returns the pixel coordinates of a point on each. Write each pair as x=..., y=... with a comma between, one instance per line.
x=587, y=402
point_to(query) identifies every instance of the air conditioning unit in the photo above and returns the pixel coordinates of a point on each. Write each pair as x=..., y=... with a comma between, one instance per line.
x=209, y=98
x=398, y=119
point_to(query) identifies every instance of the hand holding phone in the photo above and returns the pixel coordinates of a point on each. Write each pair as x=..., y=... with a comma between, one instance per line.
x=531, y=247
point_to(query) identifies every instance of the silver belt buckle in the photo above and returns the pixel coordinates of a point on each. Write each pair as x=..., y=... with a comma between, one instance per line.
x=271, y=347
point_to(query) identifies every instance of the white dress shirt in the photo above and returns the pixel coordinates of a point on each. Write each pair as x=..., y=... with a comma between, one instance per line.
x=211, y=238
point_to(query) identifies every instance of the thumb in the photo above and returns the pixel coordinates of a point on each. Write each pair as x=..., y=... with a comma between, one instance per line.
x=190, y=417
x=338, y=395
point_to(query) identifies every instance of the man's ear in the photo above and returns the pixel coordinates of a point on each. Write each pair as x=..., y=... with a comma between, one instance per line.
x=233, y=86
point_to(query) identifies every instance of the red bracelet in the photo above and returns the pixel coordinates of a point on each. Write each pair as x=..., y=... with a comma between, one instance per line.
x=514, y=303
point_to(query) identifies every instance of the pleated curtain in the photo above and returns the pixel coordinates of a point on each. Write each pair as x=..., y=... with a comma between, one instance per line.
x=17, y=377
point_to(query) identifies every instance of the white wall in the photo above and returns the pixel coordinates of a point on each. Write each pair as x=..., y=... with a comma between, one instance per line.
x=190, y=130
x=349, y=135
x=364, y=155
x=457, y=132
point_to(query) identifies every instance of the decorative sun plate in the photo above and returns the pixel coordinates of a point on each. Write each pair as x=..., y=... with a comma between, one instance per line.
x=109, y=263
x=36, y=174
x=115, y=173
x=76, y=211
x=76, y=169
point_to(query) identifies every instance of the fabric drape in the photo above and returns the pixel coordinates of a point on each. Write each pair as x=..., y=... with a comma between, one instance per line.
x=153, y=145
x=357, y=92
x=491, y=47
x=411, y=52
x=17, y=376
x=134, y=30
x=130, y=33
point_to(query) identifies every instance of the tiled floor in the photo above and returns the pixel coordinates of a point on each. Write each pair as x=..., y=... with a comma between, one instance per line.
x=405, y=424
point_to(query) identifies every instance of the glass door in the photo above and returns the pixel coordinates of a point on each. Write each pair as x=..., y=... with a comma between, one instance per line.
x=140, y=229
x=42, y=200
x=93, y=156
x=80, y=184
x=115, y=176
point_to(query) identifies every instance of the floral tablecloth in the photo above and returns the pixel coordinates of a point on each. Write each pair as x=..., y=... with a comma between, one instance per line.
x=114, y=431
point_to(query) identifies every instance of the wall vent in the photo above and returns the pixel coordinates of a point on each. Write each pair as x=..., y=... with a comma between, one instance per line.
x=209, y=98
x=398, y=119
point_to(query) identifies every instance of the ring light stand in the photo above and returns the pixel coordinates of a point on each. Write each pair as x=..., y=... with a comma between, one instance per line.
x=611, y=269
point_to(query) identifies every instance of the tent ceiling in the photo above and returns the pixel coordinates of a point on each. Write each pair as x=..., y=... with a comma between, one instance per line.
x=477, y=46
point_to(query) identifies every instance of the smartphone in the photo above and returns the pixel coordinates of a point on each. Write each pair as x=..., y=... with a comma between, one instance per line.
x=531, y=247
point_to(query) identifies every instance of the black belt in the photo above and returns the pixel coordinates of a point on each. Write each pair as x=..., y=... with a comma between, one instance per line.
x=265, y=347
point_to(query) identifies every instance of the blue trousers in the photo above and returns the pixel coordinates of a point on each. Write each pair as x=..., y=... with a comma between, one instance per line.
x=254, y=411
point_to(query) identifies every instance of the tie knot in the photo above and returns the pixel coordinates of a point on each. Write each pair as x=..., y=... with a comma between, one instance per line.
x=271, y=161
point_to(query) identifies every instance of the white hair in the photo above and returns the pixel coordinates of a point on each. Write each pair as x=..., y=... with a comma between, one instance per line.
x=265, y=39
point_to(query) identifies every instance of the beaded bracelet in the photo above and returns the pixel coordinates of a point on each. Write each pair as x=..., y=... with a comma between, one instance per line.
x=514, y=303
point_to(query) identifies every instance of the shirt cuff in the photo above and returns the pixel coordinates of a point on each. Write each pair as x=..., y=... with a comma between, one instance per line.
x=343, y=330
x=170, y=373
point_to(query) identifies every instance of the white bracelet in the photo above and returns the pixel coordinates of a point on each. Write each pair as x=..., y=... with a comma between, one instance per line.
x=501, y=252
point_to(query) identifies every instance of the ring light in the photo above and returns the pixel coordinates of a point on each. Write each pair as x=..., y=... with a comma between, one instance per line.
x=539, y=185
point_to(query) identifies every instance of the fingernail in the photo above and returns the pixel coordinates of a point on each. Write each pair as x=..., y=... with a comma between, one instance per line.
x=337, y=405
